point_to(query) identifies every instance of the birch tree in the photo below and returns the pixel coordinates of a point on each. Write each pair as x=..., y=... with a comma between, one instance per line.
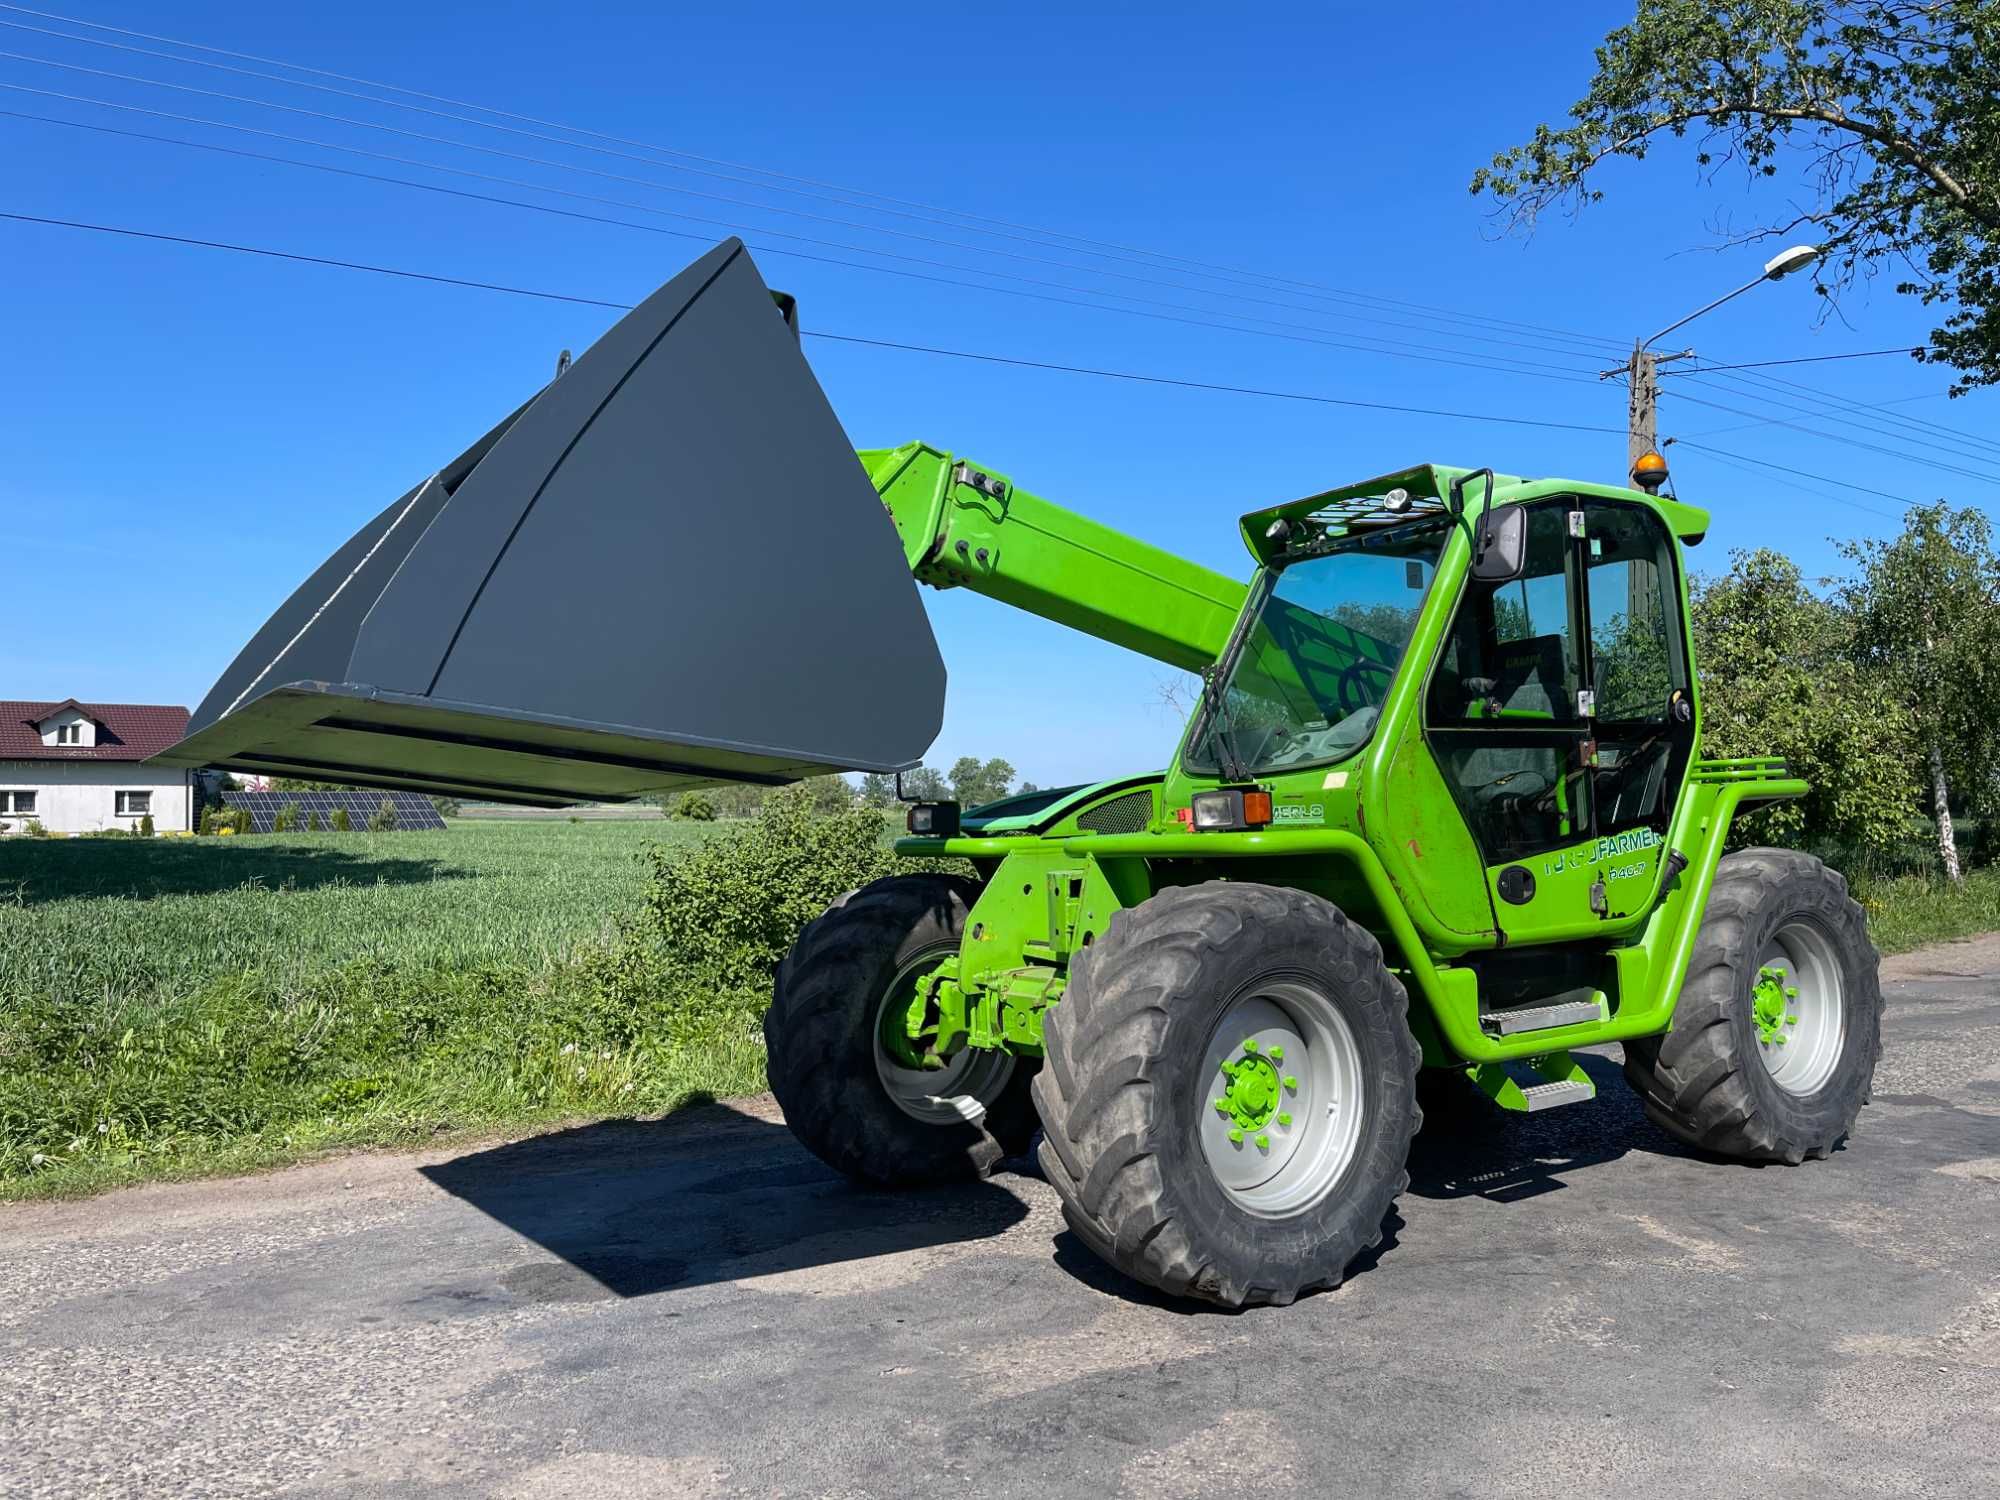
x=1926, y=614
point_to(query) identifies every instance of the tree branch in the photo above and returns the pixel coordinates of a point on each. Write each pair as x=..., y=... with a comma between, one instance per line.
x=1889, y=140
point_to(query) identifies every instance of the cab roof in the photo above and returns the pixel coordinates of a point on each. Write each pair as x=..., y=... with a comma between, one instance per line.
x=1427, y=490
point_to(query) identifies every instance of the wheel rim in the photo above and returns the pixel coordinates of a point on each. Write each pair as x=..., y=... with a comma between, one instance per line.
x=1797, y=1008
x=1281, y=1101
x=959, y=1092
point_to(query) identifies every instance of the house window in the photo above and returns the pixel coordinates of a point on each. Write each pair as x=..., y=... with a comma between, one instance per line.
x=69, y=734
x=134, y=804
x=21, y=804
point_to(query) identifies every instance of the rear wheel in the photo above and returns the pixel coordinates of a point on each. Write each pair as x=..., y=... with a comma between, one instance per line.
x=1229, y=1093
x=1779, y=1024
x=852, y=1089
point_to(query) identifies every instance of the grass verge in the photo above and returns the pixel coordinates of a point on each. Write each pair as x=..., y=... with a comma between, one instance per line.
x=184, y=1007
x=1914, y=911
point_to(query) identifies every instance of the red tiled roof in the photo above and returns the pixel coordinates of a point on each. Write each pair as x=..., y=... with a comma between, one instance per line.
x=125, y=731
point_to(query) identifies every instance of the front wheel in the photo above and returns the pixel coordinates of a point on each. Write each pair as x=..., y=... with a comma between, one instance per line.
x=851, y=1089
x=1229, y=1092
x=1779, y=1024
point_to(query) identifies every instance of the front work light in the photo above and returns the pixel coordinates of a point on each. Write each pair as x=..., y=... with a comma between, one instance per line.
x=933, y=820
x=1231, y=809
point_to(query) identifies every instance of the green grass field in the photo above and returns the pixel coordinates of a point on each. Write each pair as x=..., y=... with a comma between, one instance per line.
x=192, y=1004
x=179, y=1006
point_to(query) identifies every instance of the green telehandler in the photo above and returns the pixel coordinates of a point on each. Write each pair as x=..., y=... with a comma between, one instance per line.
x=1439, y=804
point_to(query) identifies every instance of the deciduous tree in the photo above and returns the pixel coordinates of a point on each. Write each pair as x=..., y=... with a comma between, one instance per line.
x=1885, y=114
x=1778, y=678
x=1926, y=610
x=974, y=781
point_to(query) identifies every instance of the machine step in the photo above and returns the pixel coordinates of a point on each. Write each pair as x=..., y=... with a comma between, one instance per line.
x=1557, y=1079
x=1541, y=1017
x=1555, y=1095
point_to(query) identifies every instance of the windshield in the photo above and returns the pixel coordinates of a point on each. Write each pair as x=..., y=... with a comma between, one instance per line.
x=1310, y=674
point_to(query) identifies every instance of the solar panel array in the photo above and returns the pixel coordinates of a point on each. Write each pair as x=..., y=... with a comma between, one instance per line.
x=413, y=809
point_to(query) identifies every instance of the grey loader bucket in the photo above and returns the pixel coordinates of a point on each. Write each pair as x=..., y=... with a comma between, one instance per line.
x=667, y=568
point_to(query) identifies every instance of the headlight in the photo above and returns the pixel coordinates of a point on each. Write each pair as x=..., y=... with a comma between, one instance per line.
x=1231, y=809
x=935, y=820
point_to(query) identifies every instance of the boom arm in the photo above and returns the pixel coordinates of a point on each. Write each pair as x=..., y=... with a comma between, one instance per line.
x=964, y=526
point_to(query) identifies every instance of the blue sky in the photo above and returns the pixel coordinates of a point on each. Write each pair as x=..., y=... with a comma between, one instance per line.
x=188, y=433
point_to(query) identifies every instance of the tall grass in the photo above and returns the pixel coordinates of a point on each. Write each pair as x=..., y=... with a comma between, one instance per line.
x=177, y=1005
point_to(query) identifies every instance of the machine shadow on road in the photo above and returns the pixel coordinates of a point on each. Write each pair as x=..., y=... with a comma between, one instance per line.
x=709, y=1194
x=1468, y=1148
x=1471, y=1148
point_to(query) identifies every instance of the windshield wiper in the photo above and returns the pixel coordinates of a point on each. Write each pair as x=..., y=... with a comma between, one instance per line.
x=1220, y=730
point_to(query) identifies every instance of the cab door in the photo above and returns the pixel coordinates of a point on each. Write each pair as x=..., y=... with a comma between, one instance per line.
x=1559, y=718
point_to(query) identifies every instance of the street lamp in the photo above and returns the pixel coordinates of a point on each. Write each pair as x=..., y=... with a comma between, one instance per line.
x=1777, y=268
x=1647, y=468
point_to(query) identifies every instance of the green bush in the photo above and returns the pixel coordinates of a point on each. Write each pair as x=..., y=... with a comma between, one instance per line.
x=34, y=830
x=695, y=807
x=341, y=822
x=287, y=820
x=716, y=918
x=384, y=818
x=146, y=826
x=315, y=824
x=206, y=826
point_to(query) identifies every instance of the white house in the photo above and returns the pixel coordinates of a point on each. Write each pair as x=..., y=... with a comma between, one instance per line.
x=76, y=767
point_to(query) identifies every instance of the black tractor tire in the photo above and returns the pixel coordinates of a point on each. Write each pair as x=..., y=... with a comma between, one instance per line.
x=821, y=1043
x=1123, y=1091
x=1705, y=1081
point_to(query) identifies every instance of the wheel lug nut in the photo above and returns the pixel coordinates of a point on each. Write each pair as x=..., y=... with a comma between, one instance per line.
x=1277, y=1054
x=1236, y=1137
x=1284, y=1119
x=1291, y=1083
x=1263, y=1143
x=1250, y=1045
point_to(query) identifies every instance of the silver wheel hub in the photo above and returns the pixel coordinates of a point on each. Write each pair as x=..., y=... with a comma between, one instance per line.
x=1798, y=1008
x=1281, y=1102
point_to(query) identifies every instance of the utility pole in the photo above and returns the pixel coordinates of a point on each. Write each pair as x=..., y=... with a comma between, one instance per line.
x=1642, y=421
x=1642, y=370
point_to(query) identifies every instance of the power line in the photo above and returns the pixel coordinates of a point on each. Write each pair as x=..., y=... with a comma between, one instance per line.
x=1764, y=463
x=1795, y=487
x=1973, y=449
x=982, y=220
x=313, y=260
x=1805, y=359
x=1921, y=426
x=1426, y=353
x=1852, y=442
x=723, y=198
x=983, y=358
x=1204, y=385
x=1872, y=406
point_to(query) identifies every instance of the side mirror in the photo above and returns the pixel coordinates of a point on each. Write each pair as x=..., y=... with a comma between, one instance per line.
x=1500, y=549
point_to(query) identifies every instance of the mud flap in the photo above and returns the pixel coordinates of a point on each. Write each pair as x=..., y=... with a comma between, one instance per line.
x=667, y=568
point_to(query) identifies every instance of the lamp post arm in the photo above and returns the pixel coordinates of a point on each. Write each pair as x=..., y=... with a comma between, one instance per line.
x=1711, y=307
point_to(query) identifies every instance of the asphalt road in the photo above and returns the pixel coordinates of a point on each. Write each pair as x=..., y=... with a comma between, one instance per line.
x=1569, y=1303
